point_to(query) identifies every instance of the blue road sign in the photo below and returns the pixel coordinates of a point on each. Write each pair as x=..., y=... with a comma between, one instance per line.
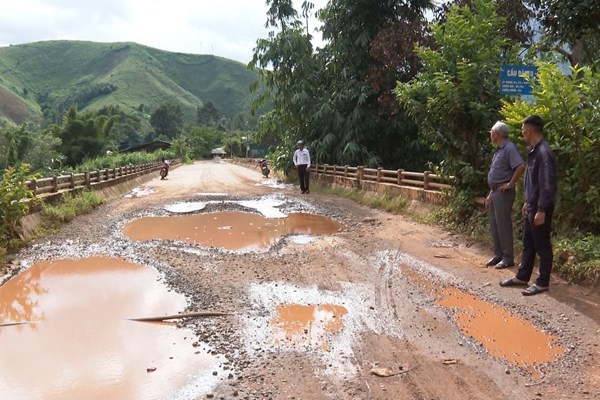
x=513, y=79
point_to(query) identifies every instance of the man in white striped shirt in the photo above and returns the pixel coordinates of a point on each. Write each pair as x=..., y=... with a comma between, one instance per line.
x=302, y=163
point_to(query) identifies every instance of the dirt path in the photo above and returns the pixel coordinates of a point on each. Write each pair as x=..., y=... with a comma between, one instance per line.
x=370, y=296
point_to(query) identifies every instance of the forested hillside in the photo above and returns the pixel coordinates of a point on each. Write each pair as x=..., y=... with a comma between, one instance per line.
x=40, y=80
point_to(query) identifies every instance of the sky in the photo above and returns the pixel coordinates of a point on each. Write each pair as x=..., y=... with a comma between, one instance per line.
x=226, y=28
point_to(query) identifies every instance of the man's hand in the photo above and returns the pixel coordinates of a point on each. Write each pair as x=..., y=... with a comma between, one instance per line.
x=539, y=218
x=486, y=203
x=504, y=187
x=524, y=209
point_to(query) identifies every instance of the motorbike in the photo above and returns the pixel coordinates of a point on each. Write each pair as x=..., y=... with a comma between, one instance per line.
x=264, y=167
x=164, y=171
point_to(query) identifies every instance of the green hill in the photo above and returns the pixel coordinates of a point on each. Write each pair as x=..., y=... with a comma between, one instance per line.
x=41, y=79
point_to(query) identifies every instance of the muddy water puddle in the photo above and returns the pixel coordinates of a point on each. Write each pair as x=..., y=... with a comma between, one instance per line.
x=503, y=334
x=232, y=230
x=311, y=325
x=79, y=344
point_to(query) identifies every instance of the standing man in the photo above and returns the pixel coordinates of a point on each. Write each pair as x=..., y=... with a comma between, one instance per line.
x=540, y=191
x=506, y=169
x=302, y=163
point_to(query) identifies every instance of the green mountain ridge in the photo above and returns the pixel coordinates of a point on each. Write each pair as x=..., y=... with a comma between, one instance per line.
x=39, y=80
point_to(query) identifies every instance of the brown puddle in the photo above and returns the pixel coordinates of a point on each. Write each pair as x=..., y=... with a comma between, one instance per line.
x=307, y=324
x=503, y=334
x=79, y=343
x=229, y=230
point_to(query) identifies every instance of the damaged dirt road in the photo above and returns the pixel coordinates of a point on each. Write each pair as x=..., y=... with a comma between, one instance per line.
x=375, y=306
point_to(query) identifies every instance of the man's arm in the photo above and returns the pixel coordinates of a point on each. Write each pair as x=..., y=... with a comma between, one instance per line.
x=308, y=156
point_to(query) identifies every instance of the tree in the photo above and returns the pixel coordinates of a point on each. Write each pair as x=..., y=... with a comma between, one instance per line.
x=348, y=126
x=571, y=28
x=81, y=137
x=209, y=114
x=286, y=66
x=455, y=97
x=167, y=120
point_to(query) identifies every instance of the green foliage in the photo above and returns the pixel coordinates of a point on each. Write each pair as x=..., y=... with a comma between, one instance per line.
x=569, y=104
x=570, y=28
x=208, y=114
x=201, y=140
x=578, y=257
x=68, y=207
x=455, y=97
x=281, y=159
x=167, y=120
x=12, y=206
x=123, y=159
x=386, y=201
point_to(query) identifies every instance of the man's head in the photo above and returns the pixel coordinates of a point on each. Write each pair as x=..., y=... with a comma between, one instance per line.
x=499, y=132
x=532, y=129
x=300, y=144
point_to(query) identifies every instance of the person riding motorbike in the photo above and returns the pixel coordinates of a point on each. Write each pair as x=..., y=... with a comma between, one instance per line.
x=164, y=169
x=264, y=167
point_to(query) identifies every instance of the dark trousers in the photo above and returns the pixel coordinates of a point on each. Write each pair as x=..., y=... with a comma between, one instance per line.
x=501, y=228
x=303, y=176
x=536, y=240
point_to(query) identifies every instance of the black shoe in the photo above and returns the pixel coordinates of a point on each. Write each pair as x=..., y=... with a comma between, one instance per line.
x=493, y=261
x=504, y=264
x=307, y=192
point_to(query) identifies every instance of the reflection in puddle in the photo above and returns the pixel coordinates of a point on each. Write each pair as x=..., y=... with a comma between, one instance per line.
x=80, y=344
x=500, y=332
x=307, y=325
x=229, y=230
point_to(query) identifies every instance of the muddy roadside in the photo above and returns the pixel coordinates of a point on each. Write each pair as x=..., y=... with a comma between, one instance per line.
x=384, y=275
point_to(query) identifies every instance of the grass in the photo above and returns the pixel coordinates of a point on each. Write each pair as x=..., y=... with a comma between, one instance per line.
x=385, y=201
x=68, y=207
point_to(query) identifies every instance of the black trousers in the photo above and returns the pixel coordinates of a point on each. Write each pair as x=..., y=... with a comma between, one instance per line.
x=303, y=176
x=536, y=240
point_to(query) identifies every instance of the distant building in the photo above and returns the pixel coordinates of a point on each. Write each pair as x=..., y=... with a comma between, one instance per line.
x=218, y=152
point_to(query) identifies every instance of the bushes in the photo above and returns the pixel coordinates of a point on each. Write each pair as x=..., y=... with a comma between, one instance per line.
x=12, y=206
x=69, y=206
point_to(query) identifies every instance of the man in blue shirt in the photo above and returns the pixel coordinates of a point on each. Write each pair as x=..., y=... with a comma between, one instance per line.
x=540, y=191
x=506, y=169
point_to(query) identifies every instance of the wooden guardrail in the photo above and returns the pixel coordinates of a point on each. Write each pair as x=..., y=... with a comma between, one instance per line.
x=54, y=184
x=426, y=180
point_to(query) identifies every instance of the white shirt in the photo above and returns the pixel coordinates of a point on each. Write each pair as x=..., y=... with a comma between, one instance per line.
x=302, y=157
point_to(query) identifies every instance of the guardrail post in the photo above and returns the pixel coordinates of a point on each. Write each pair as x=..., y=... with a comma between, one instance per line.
x=400, y=172
x=106, y=171
x=71, y=181
x=334, y=169
x=360, y=173
x=345, y=170
x=86, y=179
x=33, y=185
x=55, y=184
x=426, y=180
x=379, y=173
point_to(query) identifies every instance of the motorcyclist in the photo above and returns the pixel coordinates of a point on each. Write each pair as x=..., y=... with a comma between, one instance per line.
x=164, y=166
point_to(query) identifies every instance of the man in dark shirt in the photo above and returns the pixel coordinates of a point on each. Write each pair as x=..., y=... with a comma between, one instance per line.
x=506, y=169
x=540, y=191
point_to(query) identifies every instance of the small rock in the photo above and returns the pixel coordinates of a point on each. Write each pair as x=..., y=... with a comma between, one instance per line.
x=152, y=369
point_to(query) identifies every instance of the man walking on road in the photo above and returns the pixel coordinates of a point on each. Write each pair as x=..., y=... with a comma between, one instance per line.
x=540, y=191
x=302, y=163
x=506, y=169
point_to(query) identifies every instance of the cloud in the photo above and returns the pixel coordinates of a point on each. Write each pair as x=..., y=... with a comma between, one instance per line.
x=227, y=28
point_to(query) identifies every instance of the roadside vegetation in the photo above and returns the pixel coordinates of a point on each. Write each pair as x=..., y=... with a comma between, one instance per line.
x=68, y=207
